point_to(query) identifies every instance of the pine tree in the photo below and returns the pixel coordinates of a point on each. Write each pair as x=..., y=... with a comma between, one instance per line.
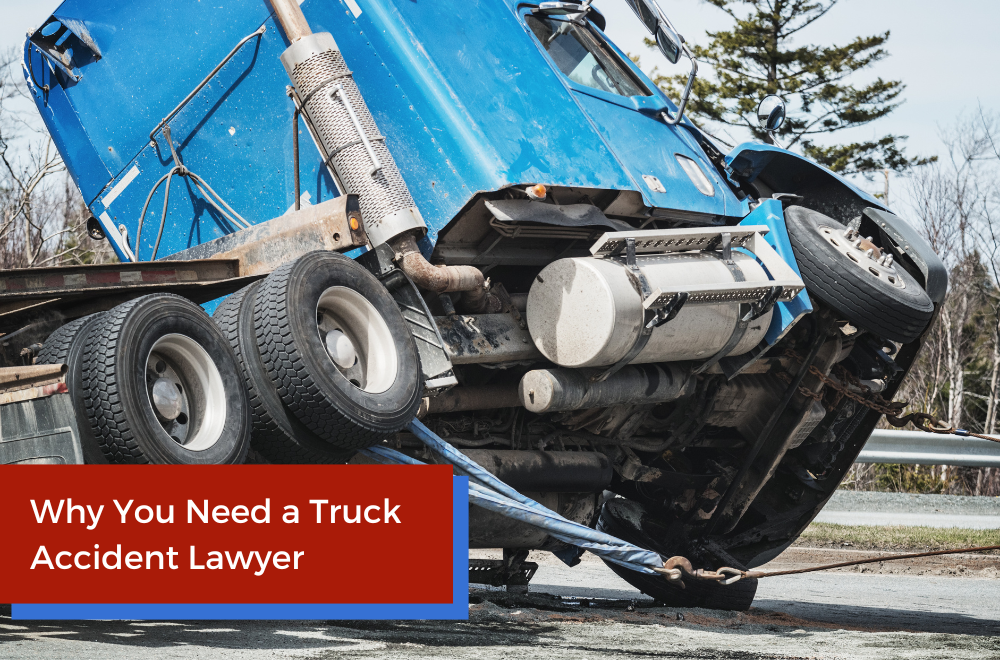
x=760, y=55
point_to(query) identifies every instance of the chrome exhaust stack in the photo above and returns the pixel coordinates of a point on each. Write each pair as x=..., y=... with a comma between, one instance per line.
x=357, y=152
x=334, y=106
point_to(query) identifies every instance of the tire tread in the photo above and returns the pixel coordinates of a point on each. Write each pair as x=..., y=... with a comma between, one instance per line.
x=899, y=316
x=268, y=437
x=287, y=370
x=103, y=387
x=57, y=346
x=102, y=397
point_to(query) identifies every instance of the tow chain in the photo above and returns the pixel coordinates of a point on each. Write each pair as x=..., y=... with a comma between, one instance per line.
x=891, y=409
x=677, y=568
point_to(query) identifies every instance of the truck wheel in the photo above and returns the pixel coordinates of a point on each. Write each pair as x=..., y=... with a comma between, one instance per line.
x=884, y=300
x=277, y=434
x=619, y=517
x=337, y=349
x=65, y=346
x=161, y=385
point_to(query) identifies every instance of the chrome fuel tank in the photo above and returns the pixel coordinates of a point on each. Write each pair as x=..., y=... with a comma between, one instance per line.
x=586, y=312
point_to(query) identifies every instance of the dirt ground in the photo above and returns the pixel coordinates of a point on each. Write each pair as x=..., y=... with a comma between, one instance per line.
x=960, y=565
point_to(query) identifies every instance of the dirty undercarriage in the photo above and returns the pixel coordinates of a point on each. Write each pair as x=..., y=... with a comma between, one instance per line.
x=725, y=469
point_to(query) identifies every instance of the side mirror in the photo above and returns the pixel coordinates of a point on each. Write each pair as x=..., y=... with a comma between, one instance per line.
x=771, y=113
x=648, y=15
x=669, y=42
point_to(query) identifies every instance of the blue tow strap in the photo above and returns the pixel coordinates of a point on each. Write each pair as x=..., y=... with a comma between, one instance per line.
x=491, y=493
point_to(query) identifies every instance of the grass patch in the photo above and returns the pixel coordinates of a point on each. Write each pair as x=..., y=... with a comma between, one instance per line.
x=896, y=537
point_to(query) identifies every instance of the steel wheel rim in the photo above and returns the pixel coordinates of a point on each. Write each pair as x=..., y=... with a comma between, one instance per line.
x=185, y=392
x=349, y=327
x=846, y=242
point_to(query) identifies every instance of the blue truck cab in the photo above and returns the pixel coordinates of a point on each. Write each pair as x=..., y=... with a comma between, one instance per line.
x=468, y=96
x=563, y=276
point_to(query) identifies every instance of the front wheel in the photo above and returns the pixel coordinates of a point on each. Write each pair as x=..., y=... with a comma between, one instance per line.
x=855, y=278
x=161, y=385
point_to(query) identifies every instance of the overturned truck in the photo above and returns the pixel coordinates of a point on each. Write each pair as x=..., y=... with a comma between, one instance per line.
x=482, y=215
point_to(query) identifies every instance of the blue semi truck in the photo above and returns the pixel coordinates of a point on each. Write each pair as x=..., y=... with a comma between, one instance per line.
x=480, y=214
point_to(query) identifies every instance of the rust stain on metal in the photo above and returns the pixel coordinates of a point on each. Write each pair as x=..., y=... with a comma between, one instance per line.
x=30, y=374
x=31, y=382
x=263, y=247
x=34, y=392
x=40, y=283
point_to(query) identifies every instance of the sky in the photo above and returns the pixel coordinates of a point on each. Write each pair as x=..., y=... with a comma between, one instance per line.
x=944, y=52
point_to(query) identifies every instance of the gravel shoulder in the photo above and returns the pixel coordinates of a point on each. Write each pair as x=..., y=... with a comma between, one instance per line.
x=896, y=538
x=862, y=508
x=959, y=565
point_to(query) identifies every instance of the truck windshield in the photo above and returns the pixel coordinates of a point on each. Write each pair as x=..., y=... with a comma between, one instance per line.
x=584, y=57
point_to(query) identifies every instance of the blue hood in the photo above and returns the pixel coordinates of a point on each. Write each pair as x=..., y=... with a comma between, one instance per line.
x=467, y=98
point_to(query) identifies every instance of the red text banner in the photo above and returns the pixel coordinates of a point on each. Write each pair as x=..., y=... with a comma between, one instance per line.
x=226, y=534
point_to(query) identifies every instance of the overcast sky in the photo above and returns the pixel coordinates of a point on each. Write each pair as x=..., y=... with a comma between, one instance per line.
x=945, y=52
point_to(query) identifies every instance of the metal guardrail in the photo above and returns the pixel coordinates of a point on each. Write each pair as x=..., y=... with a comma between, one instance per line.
x=920, y=448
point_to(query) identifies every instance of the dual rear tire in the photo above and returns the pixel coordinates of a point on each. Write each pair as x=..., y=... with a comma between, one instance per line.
x=277, y=435
x=328, y=362
x=152, y=382
x=334, y=347
x=313, y=363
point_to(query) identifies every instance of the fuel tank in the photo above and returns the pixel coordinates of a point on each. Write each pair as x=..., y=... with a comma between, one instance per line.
x=587, y=312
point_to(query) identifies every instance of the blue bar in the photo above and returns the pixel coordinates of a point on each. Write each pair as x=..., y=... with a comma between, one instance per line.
x=786, y=314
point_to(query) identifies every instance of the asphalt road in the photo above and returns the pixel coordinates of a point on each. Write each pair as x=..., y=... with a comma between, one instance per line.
x=833, y=615
x=863, y=508
x=933, y=604
x=880, y=518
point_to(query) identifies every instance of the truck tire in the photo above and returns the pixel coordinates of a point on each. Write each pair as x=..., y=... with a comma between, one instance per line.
x=617, y=518
x=65, y=346
x=161, y=385
x=277, y=434
x=887, y=302
x=337, y=349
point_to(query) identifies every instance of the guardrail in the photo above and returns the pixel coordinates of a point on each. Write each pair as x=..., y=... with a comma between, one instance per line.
x=920, y=448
